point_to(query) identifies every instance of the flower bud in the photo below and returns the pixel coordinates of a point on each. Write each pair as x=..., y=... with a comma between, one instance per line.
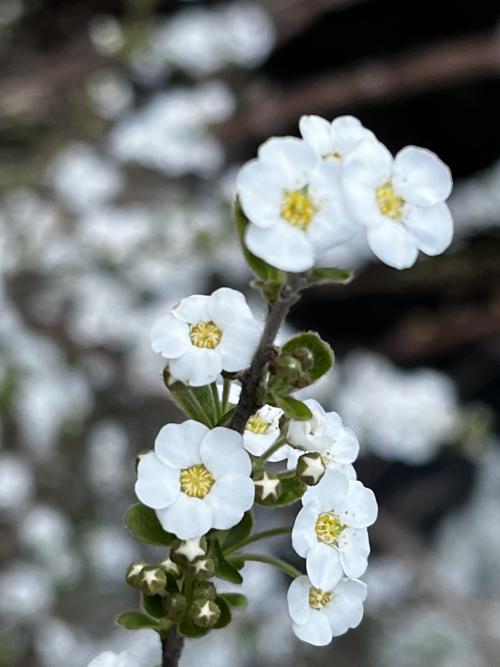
x=310, y=468
x=133, y=575
x=305, y=357
x=187, y=551
x=267, y=486
x=153, y=580
x=204, y=613
x=203, y=568
x=205, y=590
x=175, y=606
x=171, y=568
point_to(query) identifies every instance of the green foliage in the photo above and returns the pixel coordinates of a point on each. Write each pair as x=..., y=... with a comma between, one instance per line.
x=228, y=538
x=292, y=407
x=135, y=620
x=292, y=490
x=322, y=357
x=187, y=628
x=197, y=402
x=153, y=605
x=224, y=569
x=225, y=613
x=329, y=276
x=143, y=524
x=235, y=600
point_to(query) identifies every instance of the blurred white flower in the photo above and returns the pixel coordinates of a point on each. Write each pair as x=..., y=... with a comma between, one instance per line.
x=16, y=484
x=196, y=479
x=110, y=659
x=106, y=34
x=108, y=461
x=44, y=530
x=25, y=592
x=109, y=550
x=110, y=93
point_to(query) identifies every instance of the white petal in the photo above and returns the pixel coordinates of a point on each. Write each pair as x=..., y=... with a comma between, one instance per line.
x=346, y=446
x=344, y=612
x=292, y=158
x=229, y=498
x=359, y=507
x=421, y=177
x=329, y=492
x=354, y=551
x=178, y=445
x=157, y=485
x=352, y=587
x=260, y=189
x=258, y=443
x=169, y=337
x=316, y=133
x=222, y=452
x=370, y=164
x=347, y=133
x=303, y=532
x=324, y=567
x=280, y=454
x=192, y=309
x=298, y=600
x=392, y=244
x=238, y=344
x=316, y=631
x=430, y=228
x=226, y=306
x=282, y=246
x=187, y=517
x=197, y=367
x=293, y=457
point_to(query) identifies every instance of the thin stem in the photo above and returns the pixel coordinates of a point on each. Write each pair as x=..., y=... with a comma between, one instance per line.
x=216, y=398
x=289, y=294
x=256, y=537
x=273, y=448
x=171, y=648
x=269, y=560
x=226, y=387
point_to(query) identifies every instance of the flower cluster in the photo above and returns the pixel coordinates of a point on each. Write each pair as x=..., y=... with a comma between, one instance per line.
x=247, y=439
x=305, y=196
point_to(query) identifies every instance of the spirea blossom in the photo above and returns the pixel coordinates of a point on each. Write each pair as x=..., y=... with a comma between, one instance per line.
x=334, y=141
x=204, y=335
x=294, y=204
x=262, y=430
x=196, y=479
x=110, y=659
x=318, y=615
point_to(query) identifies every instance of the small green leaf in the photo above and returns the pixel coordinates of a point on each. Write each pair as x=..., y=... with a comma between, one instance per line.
x=241, y=531
x=292, y=490
x=223, y=569
x=324, y=276
x=134, y=620
x=153, y=605
x=292, y=407
x=188, y=629
x=143, y=524
x=235, y=600
x=197, y=402
x=225, y=613
x=321, y=353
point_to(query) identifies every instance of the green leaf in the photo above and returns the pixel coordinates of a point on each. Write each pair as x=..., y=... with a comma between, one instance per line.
x=324, y=276
x=153, y=605
x=143, y=524
x=322, y=354
x=292, y=490
x=294, y=408
x=188, y=629
x=235, y=600
x=197, y=402
x=227, y=538
x=265, y=272
x=223, y=569
x=134, y=620
x=225, y=613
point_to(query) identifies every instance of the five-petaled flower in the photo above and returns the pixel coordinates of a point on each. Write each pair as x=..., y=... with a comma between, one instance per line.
x=319, y=614
x=196, y=479
x=204, y=335
x=262, y=430
x=334, y=141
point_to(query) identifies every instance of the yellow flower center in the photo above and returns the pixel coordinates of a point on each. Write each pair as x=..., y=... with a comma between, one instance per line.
x=333, y=155
x=390, y=203
x=257, y=425
x=329, y=528
x=318, y=598
x=205, y=334
x=297, y=208
x=196, y=481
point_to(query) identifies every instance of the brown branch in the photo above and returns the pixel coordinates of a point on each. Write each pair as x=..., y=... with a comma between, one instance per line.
x=171, y=648
x=408, y=74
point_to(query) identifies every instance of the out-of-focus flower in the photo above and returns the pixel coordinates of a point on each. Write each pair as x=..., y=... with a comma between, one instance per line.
x=110, y=93
x=196, y=479
x=295, y=205
x=110, y=659
x=334, y=141
x=25, y=592
x=319, y=615
x=332, y=523
x=204, y=335
x=400, y=201
x=16, y=483
x=106, y=34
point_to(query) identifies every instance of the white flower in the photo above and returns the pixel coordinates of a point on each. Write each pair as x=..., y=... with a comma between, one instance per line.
x=196, y=479
x=323, y=433
x=261, y=432
x=400, y=201
x=203, y=335
x=110, y=659
x=336, y=140
x=331, y=526
x=294, y=204
x=318, y=615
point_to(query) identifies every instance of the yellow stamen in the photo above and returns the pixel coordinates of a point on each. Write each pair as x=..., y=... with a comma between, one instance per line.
x=205, y=334
x=318, y=598
x=390, y=203
x=333, y=155
x=196, y=481
x=257, y=425
x=329, y=528
x=298, y=209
